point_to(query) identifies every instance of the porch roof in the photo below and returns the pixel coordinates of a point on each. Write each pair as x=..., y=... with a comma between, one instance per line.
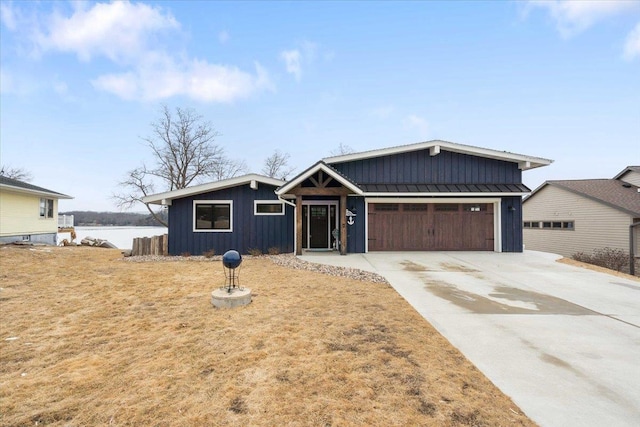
x=319, y=166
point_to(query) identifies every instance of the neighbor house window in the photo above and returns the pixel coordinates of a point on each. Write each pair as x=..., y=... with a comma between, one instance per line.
x=268, y=207
x=549, y=225
x=213, y=215
x=46, y=208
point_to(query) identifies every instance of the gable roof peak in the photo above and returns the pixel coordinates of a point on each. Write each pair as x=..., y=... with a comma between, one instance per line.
x=524, y=161
x=317, y=166
x=635, y=169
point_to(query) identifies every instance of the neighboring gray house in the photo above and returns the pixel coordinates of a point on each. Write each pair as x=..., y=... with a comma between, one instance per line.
x=569, y=216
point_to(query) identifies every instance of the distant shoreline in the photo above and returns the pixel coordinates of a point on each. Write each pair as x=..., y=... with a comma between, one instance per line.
x=121, y=236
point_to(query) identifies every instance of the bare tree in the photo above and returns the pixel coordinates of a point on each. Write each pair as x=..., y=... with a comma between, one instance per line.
x=184, y=153
x=277, y=165
x=228, y=168
x=342, y=150
x=19, y=174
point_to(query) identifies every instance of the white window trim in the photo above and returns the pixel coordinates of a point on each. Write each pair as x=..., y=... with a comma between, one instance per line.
x=213, y=202
x=267, y=202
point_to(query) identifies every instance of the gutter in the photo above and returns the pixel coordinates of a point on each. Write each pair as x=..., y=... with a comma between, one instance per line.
x=295, y=217
x=286, y=201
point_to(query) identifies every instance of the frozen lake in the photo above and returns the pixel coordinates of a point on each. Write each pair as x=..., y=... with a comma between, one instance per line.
x=122, y=237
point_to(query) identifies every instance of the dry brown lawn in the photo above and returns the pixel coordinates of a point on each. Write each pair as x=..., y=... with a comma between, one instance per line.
x=87, y=338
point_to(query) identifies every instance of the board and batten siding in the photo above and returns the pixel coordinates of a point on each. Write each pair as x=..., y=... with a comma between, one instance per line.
x=260, y=232
x=420, y=167
x=511, y=224
x=596, y=226
x=20, y=217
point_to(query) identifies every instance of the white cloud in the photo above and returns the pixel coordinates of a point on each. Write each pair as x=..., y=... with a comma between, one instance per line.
x=119, y=30
x=574, y=16
x=159, y=77
x=292, y=62
x=305, y=54
x=418, y=123
x=139, y=40
x=123, y=85
x=632, y=44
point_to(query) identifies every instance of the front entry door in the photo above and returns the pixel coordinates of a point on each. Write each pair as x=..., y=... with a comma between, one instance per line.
x=318, y=226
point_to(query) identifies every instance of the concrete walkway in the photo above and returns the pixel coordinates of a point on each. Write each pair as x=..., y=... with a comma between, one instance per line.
x=563, y=342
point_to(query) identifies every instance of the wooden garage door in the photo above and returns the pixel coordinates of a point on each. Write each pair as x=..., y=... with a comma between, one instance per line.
x=431, y=227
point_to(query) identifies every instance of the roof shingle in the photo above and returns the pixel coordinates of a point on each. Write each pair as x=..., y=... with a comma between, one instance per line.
x=9, y=182
x=617, y=194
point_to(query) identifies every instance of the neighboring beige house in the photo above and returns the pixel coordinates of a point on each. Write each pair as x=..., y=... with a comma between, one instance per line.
x=28, y=212
x=565, y=217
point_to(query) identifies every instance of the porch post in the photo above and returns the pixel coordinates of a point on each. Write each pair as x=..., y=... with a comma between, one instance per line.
x=343, y=224
x=298, y=225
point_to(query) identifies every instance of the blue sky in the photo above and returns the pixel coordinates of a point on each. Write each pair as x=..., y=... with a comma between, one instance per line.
x=81, y=82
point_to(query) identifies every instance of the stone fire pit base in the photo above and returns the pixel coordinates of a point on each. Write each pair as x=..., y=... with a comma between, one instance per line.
x=222, y=298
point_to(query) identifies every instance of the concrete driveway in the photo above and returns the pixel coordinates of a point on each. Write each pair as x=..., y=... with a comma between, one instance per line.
x=563, y=342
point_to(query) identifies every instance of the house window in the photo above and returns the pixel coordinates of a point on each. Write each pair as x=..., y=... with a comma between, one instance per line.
x=268, y=207
x=46, y=208
x=549, y=225
x=213, y=215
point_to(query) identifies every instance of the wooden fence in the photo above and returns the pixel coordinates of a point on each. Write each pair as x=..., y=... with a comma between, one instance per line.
x=155, y=245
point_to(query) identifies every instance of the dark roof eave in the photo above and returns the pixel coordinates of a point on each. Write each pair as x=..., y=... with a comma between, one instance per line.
x=35, y=191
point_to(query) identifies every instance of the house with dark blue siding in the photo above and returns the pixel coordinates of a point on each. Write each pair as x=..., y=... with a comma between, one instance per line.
x=429, y=196
x=241, y=213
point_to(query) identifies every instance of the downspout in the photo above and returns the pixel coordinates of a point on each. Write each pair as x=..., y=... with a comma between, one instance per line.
x=632, y=257
x=295, y=237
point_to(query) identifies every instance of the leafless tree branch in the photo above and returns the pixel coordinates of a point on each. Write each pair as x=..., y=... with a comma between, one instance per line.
x=277, y=165
x=184, y=153
x=341, y=150
x=19, y=174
